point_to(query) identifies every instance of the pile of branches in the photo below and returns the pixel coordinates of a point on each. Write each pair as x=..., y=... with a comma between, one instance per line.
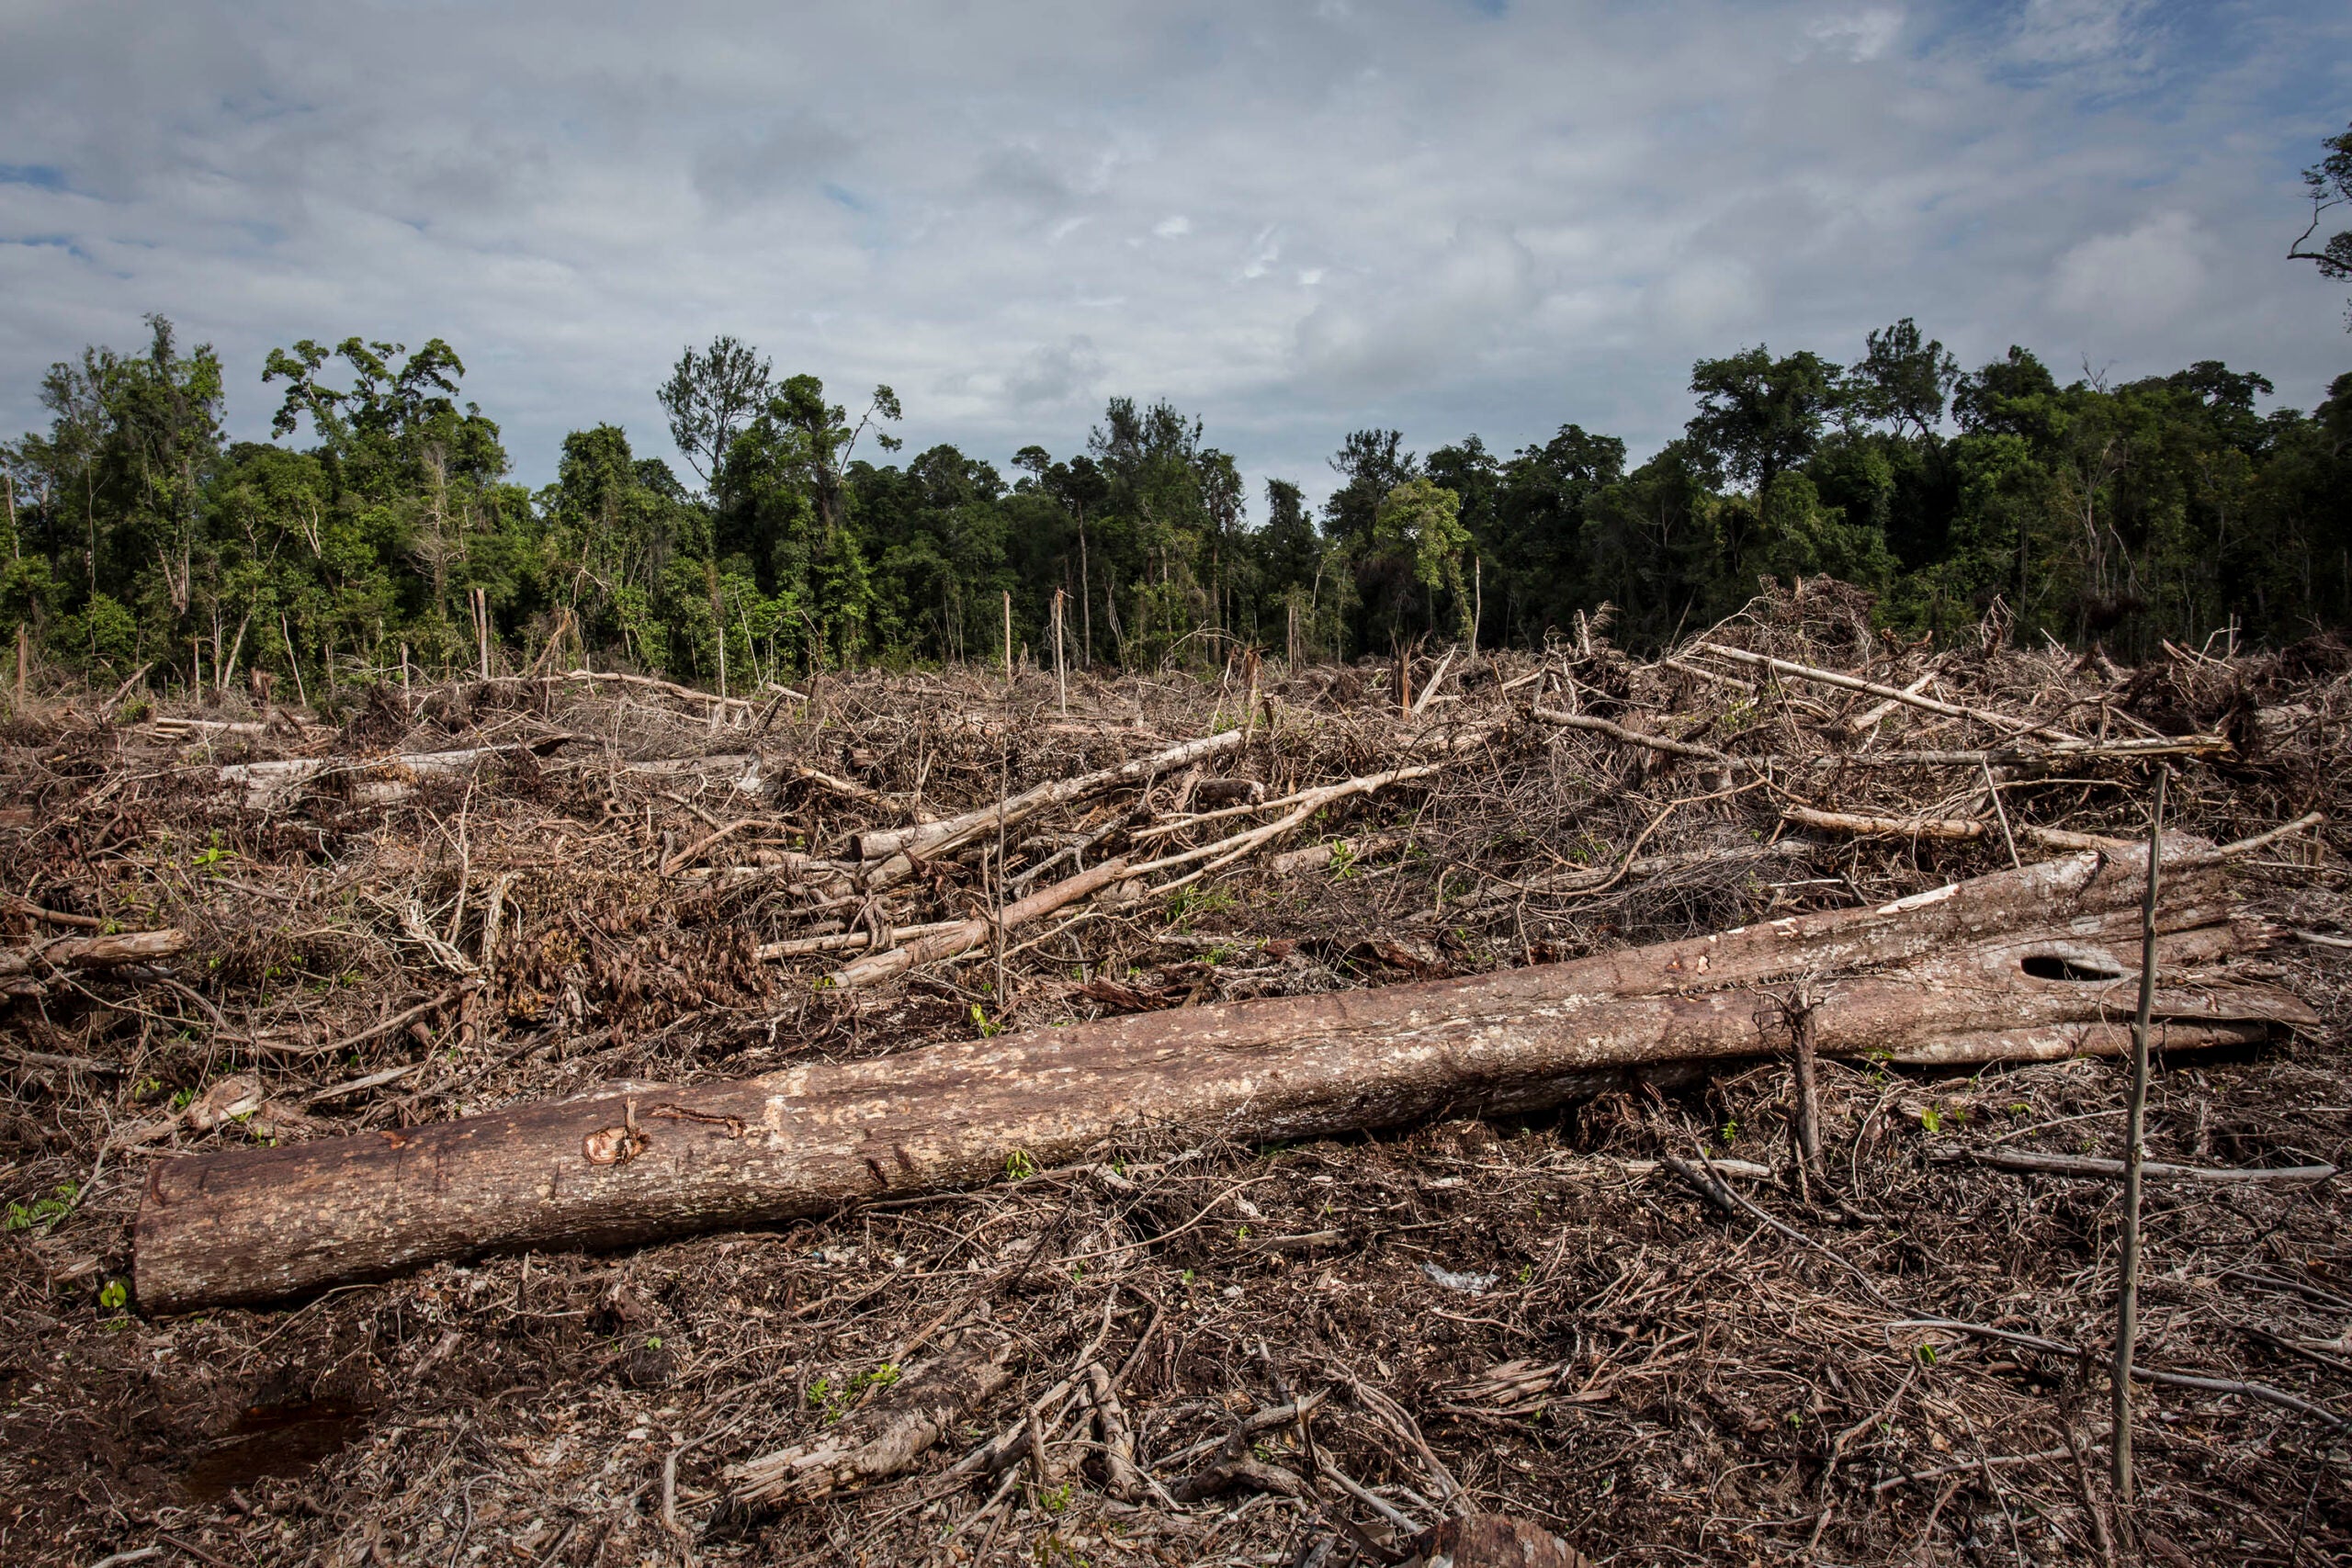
x=233, y=927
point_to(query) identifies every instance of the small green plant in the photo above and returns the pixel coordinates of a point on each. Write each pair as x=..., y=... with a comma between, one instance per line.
x=1185, y=1278
x=1241, y=1232
x=882, y=1376
x=988, y=1026
x=115, y=1296
x=1526, y=1274
x=183, y=1098
x=1927, y=1355
x=213, y=855
x=654, y=1341
x=1730, y=1134
x=42, y=1210
x=1053, y=1499
x=1930, y=1119
x=1020, y=1166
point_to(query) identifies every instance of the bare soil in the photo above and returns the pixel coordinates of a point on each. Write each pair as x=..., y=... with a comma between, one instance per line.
x=1530, y=1316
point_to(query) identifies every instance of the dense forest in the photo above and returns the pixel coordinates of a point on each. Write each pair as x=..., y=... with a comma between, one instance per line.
x=384, y=518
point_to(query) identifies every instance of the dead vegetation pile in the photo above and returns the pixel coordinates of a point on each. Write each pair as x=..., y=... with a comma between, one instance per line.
x=1183, y=1349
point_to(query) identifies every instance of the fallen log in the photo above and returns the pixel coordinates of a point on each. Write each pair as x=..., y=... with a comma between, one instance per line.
x=936, y=838
x=2090, y=1168
x=388, y=778
x=1314, y=857
x=2021, y=965
x=1896, y=827
x=92, y=951
x=1891, y=694
x=1618, y=732
x=965, y=935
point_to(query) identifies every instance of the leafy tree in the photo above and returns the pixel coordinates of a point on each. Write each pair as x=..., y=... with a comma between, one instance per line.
x=1419, y=528
x=1759, y=416
x=710, y=397
x=1903, y=381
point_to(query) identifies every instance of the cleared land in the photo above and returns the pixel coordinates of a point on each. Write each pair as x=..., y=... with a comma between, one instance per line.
x=1183, y=1342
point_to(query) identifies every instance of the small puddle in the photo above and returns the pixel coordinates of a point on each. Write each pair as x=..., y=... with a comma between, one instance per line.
x=272, y=1440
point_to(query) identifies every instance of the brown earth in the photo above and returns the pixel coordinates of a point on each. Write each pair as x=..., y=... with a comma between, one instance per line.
x=1533, y=1319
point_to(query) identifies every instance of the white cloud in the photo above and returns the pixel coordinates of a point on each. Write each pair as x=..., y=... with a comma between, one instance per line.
x=1428, y=216
x=1861, y=36
x=1703, y=300
x=2143, y=278
x=2069, y=33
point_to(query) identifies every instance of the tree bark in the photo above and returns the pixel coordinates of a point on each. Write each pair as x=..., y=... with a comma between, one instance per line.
x=1941, y=978
x=92, y=951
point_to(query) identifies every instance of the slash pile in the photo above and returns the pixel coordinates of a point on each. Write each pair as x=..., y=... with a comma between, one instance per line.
x=238, y=929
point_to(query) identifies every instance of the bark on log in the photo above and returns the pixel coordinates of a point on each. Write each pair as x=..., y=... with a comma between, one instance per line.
x=2090, y=1168
x=1891, y=694
x=1899, y=826
x=968, y=934
x=1618, y=732
x=934, y=837
x=2021, y=964
x=92, y=951
x=388, y=778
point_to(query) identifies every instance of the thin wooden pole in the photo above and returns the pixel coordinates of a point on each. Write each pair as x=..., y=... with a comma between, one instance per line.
x=293, y=661
x=1478, y=602
x=2127, y=1291
x=1007, y=640
x=24, y=654
x=1061, y=672
x=406, y=704
x=481, y=629
x=1807, y=1122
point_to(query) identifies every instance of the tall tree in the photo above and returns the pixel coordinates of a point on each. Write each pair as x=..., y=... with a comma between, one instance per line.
x=2329, y=180
x=710, y=397
x=1903, y=380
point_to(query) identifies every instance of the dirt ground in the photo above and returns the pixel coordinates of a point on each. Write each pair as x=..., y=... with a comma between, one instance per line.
x=1530, y=1315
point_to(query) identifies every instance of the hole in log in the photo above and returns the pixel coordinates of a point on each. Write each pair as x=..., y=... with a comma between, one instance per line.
x=2076, y=966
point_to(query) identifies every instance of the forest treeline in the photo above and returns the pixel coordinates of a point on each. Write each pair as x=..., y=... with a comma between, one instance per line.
x=385, y=517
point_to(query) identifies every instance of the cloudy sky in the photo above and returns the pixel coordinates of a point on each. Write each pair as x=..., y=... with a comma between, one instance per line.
x=1295, y=219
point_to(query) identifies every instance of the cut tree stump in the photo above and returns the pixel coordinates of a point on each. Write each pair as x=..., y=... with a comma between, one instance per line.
x=2018, y=965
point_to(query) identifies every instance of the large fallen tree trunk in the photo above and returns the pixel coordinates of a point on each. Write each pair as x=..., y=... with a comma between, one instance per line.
x=2018, y=965
x=376, y=780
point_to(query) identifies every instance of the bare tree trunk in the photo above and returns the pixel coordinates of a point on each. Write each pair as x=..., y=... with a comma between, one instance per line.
x=1939, y=978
